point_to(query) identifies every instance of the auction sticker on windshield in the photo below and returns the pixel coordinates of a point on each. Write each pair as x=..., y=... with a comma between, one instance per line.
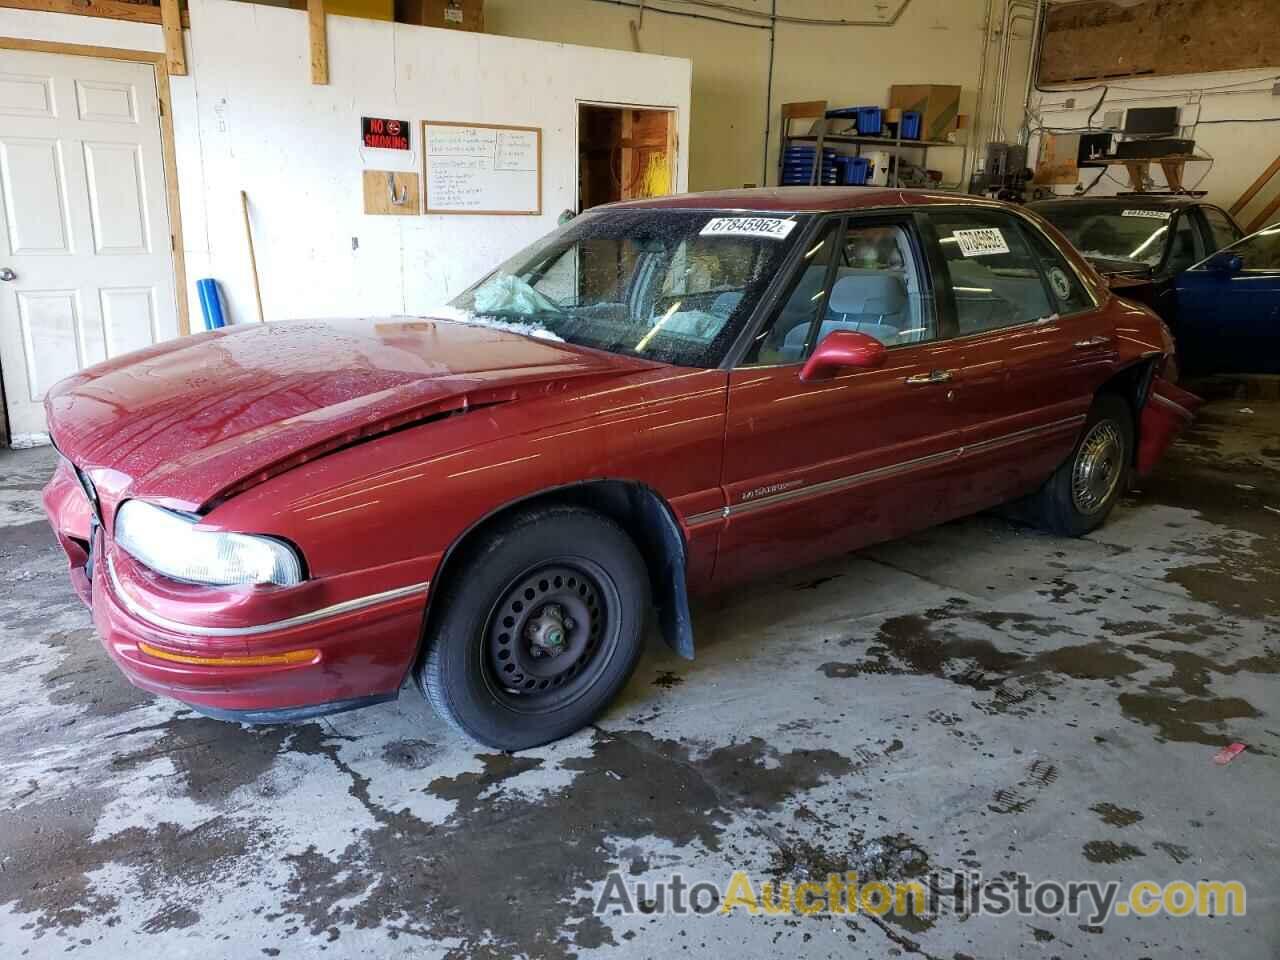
x=770, y=227
x=1149, y=214
x=984, y=242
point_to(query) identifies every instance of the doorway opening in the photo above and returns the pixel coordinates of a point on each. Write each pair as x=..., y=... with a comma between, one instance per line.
x=624, y=153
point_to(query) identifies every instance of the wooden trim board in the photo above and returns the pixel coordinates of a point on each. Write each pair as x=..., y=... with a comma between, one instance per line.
x=426, y=172
x=168, y=151
x=107, y=9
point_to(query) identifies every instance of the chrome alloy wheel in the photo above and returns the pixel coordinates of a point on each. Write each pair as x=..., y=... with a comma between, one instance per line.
x=1098, y=468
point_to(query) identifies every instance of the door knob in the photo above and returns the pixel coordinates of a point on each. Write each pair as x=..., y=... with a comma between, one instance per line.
x=7, y=274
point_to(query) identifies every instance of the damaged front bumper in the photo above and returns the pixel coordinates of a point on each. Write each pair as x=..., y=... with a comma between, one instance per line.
x=1168, y=411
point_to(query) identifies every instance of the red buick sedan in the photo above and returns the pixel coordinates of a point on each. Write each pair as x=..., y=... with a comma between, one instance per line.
x=659, y=399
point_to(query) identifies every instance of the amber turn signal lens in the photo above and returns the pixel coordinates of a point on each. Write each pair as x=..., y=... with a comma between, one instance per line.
x=263, y=660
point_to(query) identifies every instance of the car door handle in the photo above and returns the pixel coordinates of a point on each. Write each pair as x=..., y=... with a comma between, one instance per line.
x=933, y=376
x=1092, y=342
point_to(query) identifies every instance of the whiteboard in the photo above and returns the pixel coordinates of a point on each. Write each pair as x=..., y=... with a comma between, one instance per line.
x=482, y=169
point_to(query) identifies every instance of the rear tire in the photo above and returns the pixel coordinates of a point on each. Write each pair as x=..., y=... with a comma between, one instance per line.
x=1082, y=492
x=538, y=629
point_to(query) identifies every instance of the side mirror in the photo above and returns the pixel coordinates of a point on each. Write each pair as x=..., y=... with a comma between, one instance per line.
x=840, y=349
x=1225, y=262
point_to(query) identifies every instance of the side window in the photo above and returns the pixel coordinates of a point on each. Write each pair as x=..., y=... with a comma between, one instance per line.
x=877, y=290
x=1068, y=292
x=995, y=277
x=1224, y=231
x=1185, y=246
x=1260, y=251
x=777, y=342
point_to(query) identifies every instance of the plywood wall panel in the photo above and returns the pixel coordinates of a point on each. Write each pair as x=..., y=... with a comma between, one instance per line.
x=1099, y=39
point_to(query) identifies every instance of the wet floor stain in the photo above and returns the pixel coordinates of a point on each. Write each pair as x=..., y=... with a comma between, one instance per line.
x=1115, y=816
x=508, y=865
x=932, y=644
x=1187, y=719
x=666, y=679
x=1040, y=774
x=1175, y=852
x=411, y=754
x=1108, y=851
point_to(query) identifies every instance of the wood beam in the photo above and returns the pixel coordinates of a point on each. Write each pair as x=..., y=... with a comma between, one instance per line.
x=319, y=42
x=175, y=55
x=109, y=9
x=1256, y=188
x=1264, y=218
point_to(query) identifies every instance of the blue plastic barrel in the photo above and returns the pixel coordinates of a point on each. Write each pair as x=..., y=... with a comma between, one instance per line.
x=211, y=303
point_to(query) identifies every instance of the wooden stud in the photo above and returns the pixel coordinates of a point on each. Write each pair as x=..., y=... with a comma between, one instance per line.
x=1264, y=218
x=175, y=55
x=1267, y=176
x=1173, y=173
x=319, y=42
x=168, y=152
x=1139, y=170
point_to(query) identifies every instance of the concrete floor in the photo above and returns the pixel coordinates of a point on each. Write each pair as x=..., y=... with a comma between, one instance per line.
x=979, y=697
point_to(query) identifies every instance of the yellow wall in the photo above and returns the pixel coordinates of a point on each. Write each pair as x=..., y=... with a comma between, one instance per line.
x=934, y=41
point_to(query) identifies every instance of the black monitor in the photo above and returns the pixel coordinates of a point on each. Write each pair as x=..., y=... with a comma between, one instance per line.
x=1151, y=121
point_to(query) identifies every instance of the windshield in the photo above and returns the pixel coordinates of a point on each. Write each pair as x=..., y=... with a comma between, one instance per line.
x=668, y=285
x=1131, y=235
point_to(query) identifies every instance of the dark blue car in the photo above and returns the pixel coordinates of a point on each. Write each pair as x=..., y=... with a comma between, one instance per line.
x=1228, y=309
x=1153, y=250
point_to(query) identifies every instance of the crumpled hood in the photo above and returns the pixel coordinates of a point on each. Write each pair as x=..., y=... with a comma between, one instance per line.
x=190, y=419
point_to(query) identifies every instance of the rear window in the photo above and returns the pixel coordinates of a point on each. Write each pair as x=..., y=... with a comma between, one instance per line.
x=1132, y=234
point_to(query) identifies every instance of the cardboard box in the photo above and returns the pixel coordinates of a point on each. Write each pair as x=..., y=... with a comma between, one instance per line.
x=450, y=14
x=939, y=106
x=369, y=9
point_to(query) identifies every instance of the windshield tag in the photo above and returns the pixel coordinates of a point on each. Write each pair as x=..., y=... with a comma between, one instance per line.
x=770, y=227
x=1149, y=214
x=985, y=242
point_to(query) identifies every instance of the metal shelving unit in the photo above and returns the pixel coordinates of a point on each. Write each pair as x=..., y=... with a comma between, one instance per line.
x=817, y=110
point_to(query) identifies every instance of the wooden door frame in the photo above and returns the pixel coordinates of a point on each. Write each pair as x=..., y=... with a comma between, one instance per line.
x=673, y=133
x=168, y=152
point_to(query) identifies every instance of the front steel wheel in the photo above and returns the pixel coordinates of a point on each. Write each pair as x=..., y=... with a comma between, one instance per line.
x=550, y=634
x=536, y=627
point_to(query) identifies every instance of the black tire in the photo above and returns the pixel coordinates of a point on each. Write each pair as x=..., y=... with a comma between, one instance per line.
x=514, y=671
x=1103, y=471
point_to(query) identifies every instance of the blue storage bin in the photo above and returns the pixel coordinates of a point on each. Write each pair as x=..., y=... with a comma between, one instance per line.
x=859, y=171
x=912, y=122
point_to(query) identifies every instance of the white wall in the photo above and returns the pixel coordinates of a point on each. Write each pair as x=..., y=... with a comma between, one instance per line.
x=1241, y=149
x=249, y=118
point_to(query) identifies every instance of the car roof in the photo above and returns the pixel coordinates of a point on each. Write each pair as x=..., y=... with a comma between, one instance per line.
x=797, y=200
x=1147, y=202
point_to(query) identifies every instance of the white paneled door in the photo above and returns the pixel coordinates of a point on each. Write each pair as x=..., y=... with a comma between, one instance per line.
x=86, y=258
